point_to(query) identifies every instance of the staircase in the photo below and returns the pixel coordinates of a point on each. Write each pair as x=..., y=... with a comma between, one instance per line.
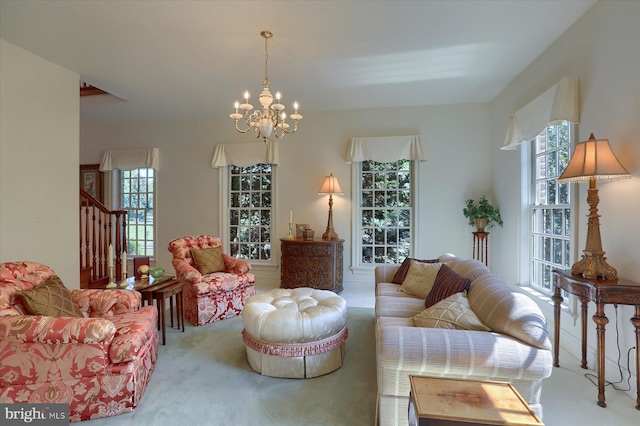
x=99, y=228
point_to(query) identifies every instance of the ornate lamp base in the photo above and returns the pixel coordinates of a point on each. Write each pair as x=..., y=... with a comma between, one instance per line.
x=593, y=265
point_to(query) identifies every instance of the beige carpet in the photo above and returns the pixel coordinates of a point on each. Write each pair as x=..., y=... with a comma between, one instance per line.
x=202, y=378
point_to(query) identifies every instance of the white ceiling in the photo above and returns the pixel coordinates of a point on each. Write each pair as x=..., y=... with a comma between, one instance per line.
x=193, y=59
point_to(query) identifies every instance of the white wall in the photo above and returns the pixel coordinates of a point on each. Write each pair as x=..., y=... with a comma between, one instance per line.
x=455, y=139
x=39, y=134
x=603, y=50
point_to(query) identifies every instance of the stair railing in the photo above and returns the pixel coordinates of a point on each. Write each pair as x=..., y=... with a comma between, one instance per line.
x=99, y=228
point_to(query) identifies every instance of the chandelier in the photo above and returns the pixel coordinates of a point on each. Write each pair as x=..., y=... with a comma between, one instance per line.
x=272, y=118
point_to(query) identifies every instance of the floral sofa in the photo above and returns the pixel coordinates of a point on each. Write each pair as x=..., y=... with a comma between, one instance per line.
x=214, y=293
x=99, y=362
x=506, y=338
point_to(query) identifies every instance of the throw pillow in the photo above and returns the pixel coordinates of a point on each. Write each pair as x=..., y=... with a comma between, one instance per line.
x=454, y=312
x=208, y=260
x=447, y=283
x=401, y=273
x=51, y=299
x=420, y=279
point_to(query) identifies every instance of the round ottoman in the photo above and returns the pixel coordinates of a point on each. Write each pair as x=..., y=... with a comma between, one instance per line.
x=295, y=333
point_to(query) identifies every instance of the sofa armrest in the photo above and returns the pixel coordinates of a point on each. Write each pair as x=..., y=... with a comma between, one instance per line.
x=106, y=303
x=186, y=272
x=56, y=330
x=234, y=265
x=384, y=273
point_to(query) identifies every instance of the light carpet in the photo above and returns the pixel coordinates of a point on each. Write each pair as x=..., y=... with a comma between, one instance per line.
x=202, y=378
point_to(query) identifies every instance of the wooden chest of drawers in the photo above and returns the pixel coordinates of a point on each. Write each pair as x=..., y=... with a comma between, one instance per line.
x=316, y=264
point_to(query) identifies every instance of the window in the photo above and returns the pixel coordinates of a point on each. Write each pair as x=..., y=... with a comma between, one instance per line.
x=250, y=211
x=137, y=188
x=384, y=223
x=550, y=206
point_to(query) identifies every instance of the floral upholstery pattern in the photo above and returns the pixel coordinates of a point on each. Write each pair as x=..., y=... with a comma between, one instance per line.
x=99, y=364
x=216, y=296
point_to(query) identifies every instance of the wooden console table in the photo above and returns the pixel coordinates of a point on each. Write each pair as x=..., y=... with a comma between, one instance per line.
x=316, y=264
x=601, y=292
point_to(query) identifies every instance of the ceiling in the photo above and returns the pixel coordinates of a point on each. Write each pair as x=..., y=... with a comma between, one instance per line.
x=193, y=59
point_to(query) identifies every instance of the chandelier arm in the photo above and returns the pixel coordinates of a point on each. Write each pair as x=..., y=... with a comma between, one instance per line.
x=239, y=129
x=295, y=127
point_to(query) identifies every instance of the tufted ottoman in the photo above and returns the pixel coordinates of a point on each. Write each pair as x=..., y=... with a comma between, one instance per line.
x=295, y=333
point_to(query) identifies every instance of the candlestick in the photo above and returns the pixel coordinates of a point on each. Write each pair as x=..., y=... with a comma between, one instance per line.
x=290, y=236
x=124, y=266
x=111, y=283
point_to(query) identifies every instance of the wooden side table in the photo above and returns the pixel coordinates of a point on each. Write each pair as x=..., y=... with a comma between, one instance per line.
x=316, y=264
x=602, y=292
x=170, y=291
x=159, y=289
x=438, y=401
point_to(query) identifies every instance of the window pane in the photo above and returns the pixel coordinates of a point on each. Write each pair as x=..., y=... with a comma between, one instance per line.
x=136, y=195
x=250, y=207
x=551, y=208
x=386, y=211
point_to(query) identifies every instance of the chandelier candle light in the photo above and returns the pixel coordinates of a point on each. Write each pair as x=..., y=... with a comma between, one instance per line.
x=272, y=117
x=593, y=160
x=330, y=186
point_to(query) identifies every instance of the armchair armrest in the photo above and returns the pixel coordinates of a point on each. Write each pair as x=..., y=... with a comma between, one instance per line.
x=55, y=330
x=234, y=265
x=106, y=303
x=186, y=272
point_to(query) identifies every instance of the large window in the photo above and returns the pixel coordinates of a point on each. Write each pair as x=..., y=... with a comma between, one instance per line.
x=551, y=218
x=385, y=214
x=137, y=188
x=250, y=211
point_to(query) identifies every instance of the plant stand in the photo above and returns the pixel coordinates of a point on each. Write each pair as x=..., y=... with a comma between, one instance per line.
x=480, y=246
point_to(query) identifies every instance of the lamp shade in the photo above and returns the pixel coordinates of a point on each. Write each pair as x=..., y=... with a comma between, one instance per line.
x=593, y=159
x=330, y=185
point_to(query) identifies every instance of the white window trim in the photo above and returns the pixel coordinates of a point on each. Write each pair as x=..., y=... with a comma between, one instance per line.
x=357, y=267
x=223, y=226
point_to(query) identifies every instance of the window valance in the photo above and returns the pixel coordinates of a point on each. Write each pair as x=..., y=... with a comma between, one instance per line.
x=246, y=154
x=385, y=149
x=130, y=159
x=558, y=103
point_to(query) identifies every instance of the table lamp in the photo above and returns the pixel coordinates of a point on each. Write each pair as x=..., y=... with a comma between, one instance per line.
x=330, y=186
x=593, y=160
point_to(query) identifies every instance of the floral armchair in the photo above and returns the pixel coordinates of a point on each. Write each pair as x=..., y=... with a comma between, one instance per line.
x=99, y=362
x=213, y=291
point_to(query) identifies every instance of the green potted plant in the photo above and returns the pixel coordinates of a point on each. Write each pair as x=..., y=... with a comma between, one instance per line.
x=482, y=214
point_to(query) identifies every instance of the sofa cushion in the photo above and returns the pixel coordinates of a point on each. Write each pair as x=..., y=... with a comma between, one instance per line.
x=51, y=299
x=420, y=279
x=447, y=282
x=402, y=271
x=398, y=306
x=454, y=312
x=508, y=311
x=208, y=260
